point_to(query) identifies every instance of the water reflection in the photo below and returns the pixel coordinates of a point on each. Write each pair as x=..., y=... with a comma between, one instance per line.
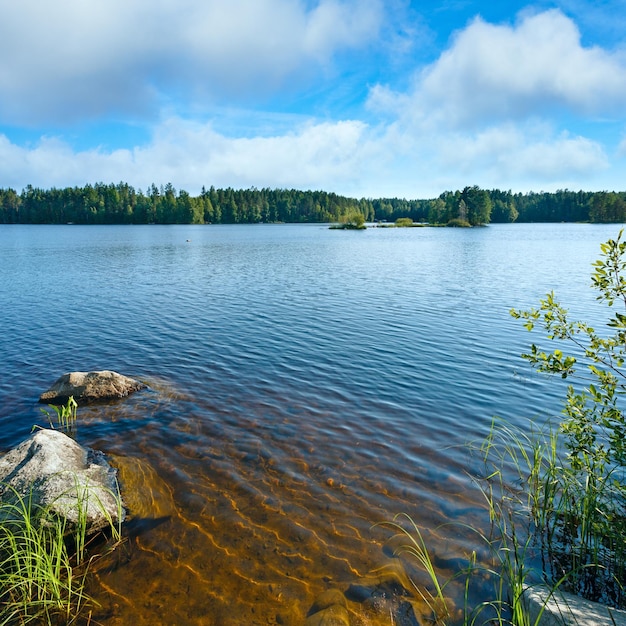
x=304, y=387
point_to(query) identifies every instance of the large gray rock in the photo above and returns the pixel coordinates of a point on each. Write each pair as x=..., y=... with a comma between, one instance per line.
x=90, y=387
x=566, y=609
x=60, y=474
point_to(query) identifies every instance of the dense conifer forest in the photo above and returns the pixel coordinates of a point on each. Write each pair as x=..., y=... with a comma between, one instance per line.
x=122, y=204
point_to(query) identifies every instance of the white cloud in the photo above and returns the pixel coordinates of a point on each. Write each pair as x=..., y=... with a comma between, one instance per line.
x=511, y=152
x=438, y=135
x=312, y=156
x=190, y=155
x=73, y=59
x=522, y=157
x=348, y=157
x=495, y=107
x=498, y=72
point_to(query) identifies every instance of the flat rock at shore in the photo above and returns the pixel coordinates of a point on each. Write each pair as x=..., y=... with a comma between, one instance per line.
x=559, y=608
x=88, y=387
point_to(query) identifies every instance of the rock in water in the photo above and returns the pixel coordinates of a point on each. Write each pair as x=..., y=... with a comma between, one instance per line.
x=90, y=387
x=58, y=473
x=329, y=609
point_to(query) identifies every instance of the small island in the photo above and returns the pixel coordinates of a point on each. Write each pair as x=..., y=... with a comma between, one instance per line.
x=354, y=220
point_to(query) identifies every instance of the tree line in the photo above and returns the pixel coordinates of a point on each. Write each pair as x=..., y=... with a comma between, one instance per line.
x=122, y=204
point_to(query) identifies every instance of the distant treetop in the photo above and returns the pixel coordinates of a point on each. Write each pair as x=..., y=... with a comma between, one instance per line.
x=122, y=204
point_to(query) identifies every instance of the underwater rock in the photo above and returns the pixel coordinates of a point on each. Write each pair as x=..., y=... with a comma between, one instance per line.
x=55, y=472
x=329, y=609
x=90, y=387
x=384, y=597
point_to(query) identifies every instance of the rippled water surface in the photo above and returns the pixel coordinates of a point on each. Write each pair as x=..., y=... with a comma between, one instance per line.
x=305, y=384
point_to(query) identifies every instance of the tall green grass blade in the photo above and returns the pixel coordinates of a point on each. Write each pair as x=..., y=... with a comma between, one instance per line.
x=64, y=418
x=43, y=561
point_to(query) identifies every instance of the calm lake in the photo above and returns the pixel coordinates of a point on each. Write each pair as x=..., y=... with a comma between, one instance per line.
x=305, y=384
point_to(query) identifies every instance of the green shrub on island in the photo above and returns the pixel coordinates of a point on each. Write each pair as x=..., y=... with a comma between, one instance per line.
x=351, y=221
x=404, y=222
x=457, y=222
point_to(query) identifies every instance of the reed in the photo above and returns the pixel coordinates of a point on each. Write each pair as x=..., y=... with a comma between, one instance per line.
x=409, y=541
x=44, y=563
x=64, y=417
x=545, y=528
x=507, y=569
x=572, y=510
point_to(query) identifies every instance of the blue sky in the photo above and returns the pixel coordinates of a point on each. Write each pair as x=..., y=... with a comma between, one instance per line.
x=367, y=98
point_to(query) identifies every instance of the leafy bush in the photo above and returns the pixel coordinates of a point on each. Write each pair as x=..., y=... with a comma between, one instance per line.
x=584, y=519
x=404, y=222
x=556, y=495
x=354, y=220
x=458, y=223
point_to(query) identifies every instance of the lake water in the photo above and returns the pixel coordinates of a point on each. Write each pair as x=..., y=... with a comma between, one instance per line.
x=305, y=384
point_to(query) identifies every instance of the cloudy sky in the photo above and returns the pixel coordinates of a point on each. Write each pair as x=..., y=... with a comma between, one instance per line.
x=361, y=97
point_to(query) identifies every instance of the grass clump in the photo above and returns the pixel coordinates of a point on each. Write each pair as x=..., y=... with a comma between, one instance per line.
x=457, y=222
x=353, y=220
x=404, y=222
x=44, y=564
x=409, y=541
x=45, y=549
x=508, y=558
x=64, y=417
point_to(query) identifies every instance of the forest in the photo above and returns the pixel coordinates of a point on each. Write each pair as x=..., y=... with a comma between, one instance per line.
x=122, y=204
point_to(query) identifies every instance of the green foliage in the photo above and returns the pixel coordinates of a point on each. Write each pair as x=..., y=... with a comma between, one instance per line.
x=584, y=526
x=122, y=204
x=391, y=209
x=470, y=207
x=404, y=222
x=65, y=416
x=457, y=222
x=504, y=208
x=354, y=220
x=43, y=563
x=556, y=496
x=477, y=204
x=608, y=207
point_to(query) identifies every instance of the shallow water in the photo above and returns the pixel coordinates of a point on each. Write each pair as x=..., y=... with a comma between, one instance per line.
x=305, y=384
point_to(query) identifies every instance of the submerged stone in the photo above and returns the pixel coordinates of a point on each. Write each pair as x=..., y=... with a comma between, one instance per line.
x=326, y=599
x=71, y=481
x=332, y=616
x=88, y=387
x=385, y=597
